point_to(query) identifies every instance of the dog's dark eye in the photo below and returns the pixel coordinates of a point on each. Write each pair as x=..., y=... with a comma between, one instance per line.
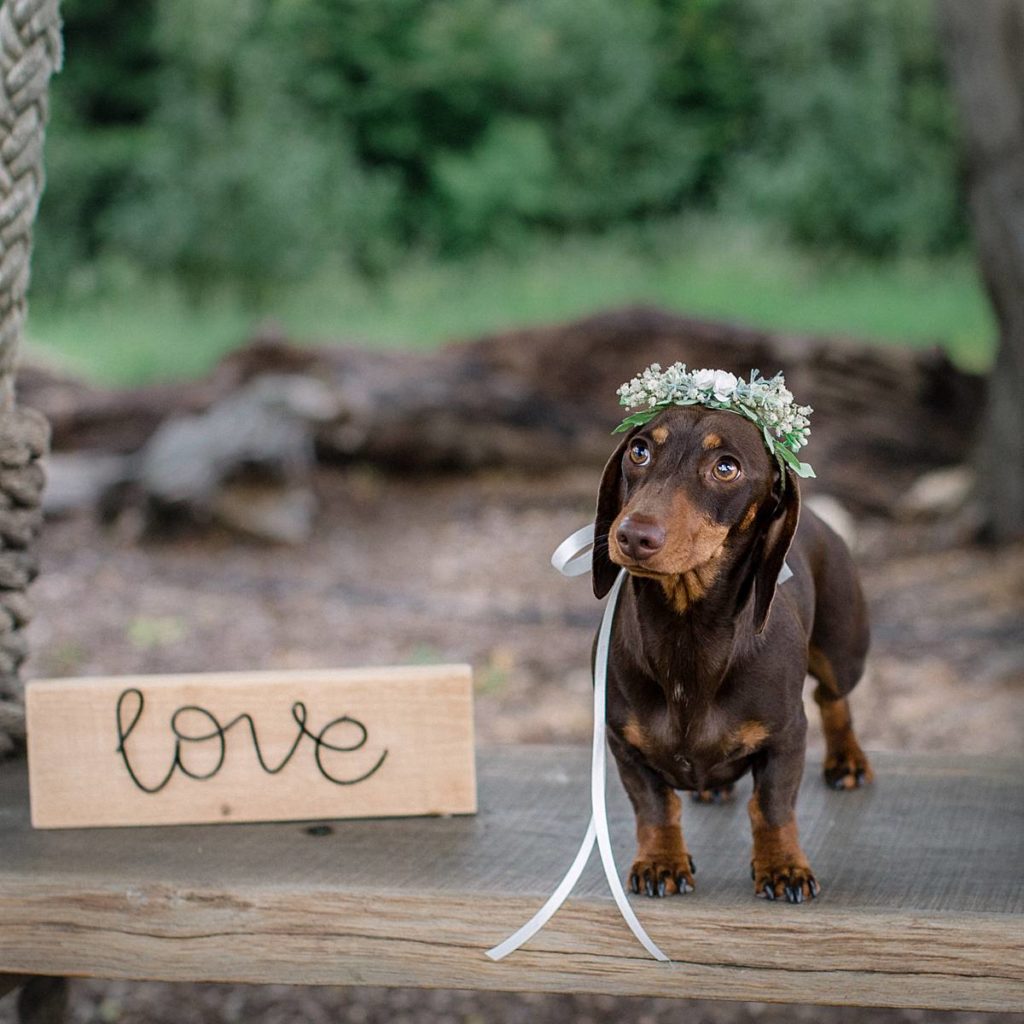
x=726, y=470
x=639, y=453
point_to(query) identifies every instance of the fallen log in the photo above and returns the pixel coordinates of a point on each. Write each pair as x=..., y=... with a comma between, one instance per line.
x=543, y=398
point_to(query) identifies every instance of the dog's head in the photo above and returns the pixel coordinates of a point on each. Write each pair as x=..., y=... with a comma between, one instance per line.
x=691, y=491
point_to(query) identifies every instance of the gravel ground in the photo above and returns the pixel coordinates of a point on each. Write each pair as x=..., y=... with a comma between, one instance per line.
x=408, y=571
x=282, y=1004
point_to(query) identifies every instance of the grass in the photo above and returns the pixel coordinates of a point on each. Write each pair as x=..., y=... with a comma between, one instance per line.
x=136, y=331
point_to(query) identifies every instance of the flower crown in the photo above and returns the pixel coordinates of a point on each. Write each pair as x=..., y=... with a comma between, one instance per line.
x=767, y=403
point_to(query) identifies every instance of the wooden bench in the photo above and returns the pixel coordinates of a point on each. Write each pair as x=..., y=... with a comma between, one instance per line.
x=922, y=901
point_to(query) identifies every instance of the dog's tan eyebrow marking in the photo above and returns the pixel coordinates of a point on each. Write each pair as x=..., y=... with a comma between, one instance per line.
x=711, y=441
x=660, y=434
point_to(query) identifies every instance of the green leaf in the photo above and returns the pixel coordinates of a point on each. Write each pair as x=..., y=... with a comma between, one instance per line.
x=802, y=469
x=636, y=420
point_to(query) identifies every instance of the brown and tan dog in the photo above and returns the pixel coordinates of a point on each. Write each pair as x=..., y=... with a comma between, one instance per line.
x=708, y=654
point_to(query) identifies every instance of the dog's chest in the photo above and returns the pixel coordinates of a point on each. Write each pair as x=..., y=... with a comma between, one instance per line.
x=700, y=748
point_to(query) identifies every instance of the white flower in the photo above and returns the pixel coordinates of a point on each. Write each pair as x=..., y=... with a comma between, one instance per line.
x=704, y=380
x=724, y=385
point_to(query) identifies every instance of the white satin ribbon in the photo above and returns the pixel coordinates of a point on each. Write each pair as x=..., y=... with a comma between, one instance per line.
x=573, y=558
x=575, y=555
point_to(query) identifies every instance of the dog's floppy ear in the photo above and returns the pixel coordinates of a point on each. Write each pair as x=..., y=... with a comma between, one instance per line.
x=778, y=537
x=609, y=502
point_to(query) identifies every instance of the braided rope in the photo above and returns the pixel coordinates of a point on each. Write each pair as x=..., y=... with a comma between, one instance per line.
x=30, y=52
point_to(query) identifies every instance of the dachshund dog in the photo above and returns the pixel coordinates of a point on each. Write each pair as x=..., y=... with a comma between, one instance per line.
x=709, y=651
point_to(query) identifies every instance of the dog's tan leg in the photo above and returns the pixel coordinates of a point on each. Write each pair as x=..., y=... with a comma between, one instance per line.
x=846, y=764
x=779, y=866
x=663, y=864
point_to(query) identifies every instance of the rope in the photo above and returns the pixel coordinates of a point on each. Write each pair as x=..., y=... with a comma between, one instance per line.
x=30, y=52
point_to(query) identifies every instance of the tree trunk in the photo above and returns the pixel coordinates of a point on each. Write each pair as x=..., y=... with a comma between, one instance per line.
x=984, y=42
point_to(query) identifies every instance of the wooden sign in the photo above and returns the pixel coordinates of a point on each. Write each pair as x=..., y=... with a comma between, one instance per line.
x=253, y=746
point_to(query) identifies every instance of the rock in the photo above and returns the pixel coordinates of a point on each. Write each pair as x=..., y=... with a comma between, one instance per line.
x=77, y=480
x=939, y=493
x=280, y=515
x=264, y=427
x=835, y=515
x=244, y=462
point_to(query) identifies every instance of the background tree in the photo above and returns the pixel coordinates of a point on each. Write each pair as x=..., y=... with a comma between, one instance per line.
x=985, y=47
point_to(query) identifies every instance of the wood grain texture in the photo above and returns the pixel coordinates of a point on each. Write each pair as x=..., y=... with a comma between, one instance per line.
x=402, y=739
x=922, y=899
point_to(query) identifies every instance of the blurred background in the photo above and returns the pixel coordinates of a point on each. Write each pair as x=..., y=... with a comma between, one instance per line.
x=404, y=172
x=329, y=305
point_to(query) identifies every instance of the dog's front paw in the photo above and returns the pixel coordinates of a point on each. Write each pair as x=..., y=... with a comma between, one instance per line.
x=776, y=881
x=718, y=795
x=848, y=768
x=662, y=876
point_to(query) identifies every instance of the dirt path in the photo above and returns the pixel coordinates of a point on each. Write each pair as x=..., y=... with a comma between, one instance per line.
x=458, y=571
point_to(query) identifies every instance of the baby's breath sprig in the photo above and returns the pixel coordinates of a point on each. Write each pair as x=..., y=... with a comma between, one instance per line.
x=767, y=403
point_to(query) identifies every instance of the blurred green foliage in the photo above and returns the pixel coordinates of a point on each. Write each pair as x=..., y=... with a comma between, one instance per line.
x=855, y=143
x=251, y=142
x=137, y=331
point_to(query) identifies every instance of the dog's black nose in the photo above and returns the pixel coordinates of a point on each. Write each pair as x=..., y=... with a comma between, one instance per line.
x=640, y=539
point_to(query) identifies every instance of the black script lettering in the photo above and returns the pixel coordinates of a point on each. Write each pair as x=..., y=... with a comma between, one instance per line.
x=322, y=744
x=130, y=706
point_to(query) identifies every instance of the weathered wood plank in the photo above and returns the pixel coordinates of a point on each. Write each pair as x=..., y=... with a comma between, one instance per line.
x=251, y=746
x=921, y=906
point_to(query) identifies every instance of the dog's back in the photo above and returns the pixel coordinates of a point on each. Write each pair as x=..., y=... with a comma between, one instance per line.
x=840, y=635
